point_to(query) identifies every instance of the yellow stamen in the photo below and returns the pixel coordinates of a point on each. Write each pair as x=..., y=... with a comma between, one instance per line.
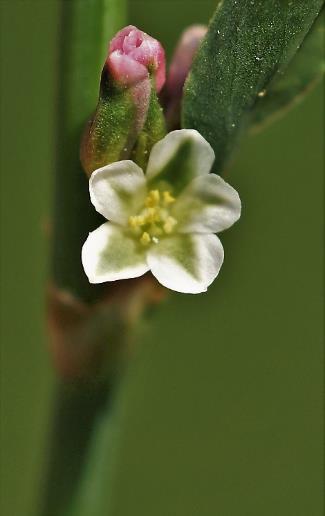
x=168, y=198
x=153, y=221
x=153, y=199
x=136, y=220
x=133, y=221
x=151, y=215
x=145, y=238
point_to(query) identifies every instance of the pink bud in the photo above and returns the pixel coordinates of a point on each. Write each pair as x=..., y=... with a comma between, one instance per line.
x=183, y=58
x=128, y=119
x=133, y=55
x=179, y=69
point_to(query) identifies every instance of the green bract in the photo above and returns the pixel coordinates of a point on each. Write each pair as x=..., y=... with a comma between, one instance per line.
x=164, y=220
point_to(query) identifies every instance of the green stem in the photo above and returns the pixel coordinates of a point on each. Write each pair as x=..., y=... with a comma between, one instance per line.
x=86, y=28
x=77, y=408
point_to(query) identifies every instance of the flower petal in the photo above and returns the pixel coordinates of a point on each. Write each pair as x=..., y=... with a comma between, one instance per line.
x=207, y=205
x=186, y=263
x=118, y=190
x=125, y=70
x=178, y=158
x=108, y=255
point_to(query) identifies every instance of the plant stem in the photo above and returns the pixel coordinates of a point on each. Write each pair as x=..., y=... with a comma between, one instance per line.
x=86, y=26
x=77, y=407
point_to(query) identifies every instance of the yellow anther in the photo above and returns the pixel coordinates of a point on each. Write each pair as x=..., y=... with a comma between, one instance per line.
x=153, y=221
x=145, y=238
x=133, y=221
x=152, y=199
x=169, y=224
x=136, y=220
x=152, y=215
x=168, y=198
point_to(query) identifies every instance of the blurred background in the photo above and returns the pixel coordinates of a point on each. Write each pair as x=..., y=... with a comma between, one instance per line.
x=221, y=410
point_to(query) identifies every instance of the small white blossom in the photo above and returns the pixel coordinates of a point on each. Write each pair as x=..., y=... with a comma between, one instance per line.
x=163, y=221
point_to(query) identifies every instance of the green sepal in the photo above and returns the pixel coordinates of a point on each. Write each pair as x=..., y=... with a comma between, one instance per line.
x=112, y=131
x=126, y=124
x=154, y=130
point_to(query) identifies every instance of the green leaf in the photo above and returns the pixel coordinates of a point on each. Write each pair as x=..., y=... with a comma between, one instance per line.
x=303, y=72
x=248, y=43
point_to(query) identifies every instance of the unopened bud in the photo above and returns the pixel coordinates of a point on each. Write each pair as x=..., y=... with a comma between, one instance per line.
x=128, y=108
x=133, y=54
x=179, y=70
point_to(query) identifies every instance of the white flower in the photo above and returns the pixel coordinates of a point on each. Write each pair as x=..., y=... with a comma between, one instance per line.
x=163, y=221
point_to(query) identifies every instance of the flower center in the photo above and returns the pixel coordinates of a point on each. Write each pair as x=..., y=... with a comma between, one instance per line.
x=154, y=220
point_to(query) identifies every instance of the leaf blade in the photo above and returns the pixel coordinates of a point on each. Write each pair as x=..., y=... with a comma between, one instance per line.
x=303, y=72
x=248, y=42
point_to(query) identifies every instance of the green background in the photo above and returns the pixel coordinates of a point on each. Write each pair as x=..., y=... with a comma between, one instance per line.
x=221, y=409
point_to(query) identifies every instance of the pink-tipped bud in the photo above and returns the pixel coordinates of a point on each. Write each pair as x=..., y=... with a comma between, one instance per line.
x=183, y=57
x=133, y=55
x=180, y=67
x=128, y=119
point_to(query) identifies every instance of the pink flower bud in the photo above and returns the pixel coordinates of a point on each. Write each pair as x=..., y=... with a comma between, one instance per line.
x=133, y=55
x=179, y=70
x=128, y=119
x=183, y=57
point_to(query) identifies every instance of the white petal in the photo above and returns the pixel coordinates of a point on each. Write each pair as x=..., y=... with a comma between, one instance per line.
x=186, y=263
x=208, y=205
x=117, y=190
x=108, y=255
x=178, y=158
